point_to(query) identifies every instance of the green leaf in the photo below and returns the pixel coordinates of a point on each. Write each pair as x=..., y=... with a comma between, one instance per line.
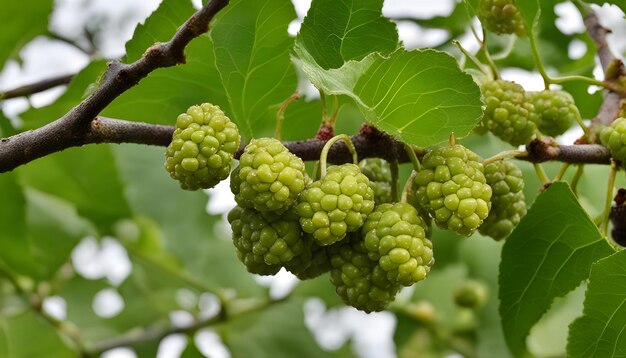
x=18, y=331
x=599, y=332
x=548, y=255
x=334, y=32
x=418, y=96
x=21, y=22
x=86, y=177
x=79, y=88
x=531, y=11
x=278, y=329
x=251, y=47
x=13, y=211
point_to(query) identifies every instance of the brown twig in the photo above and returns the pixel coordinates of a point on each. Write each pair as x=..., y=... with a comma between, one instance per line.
x=36, y=87
x=73, y=128
x=543, y=150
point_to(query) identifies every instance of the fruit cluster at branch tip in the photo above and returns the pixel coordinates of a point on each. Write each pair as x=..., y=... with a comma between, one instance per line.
x=202, y=147
x=501, y=17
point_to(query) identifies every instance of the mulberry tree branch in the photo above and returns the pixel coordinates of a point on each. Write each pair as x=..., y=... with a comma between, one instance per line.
x=73, y=129
x=36, y=87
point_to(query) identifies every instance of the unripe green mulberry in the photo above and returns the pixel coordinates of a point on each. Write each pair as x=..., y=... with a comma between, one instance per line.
x=395, y=237
x=508, y=206
x=509, y=115
x=265, y=241
x=337, y=204
x=556, y=109
x=202, y=147
x=470, y=294
x=269, y=176
x=377, y=170
x=360, y=281
x=312, y=263
x=614, y=137
x=501, y=17
x=452, y=187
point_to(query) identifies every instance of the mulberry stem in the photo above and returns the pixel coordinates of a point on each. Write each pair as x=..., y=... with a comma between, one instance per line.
x=330, y=143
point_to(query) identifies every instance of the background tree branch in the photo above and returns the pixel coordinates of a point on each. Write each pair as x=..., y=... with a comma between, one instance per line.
x=74, y=127
x=36, y=87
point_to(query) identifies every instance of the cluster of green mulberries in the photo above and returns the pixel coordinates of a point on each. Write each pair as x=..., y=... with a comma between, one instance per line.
x=452, y=187
x=202, y=147
x=501, y=17
x=556, y=110
x=509, y=114
x=508, y=206
x=614, y=137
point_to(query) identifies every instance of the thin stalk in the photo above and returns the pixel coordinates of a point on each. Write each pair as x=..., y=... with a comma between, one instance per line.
x=505, y=155
x=333, y=140
x=316, y=170
x=333, y=117
x=538, y=62
x=585, y=79
x=408, y=186
x=609, y=199
x=582, y=125
x=413, y=157
x=561, y=172
x=541, y=174
x=473, y=58
x=576, y=178
x=280, y=114
x=492, y=65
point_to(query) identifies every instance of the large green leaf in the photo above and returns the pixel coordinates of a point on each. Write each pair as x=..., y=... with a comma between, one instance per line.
x=600, y=331
x=86, y=177
x=548, y=255
x=277, y=331
x=18, y=331
x=13, y=211
x=251, y=47
x=21, y=22
x=418, y=96
x=334, y=32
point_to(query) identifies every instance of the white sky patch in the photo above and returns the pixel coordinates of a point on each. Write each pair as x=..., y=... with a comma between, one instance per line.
x=419, y=9
x=172, y=346
x=576, y=49
x=107, y=303
x=122, y=352
x=569, y=20
x=55, y=306
x=531, y=81
x=221, y=199
x=210, y=344
x=108, y=258
x=181, y=318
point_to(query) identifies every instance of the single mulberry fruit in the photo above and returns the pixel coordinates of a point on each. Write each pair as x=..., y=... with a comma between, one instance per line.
x=377, y=170
x=614, y=137
x=556, y=109
x=452, y=187
x=501, y=17
x=360, y=281
x=269, y=176
x=202, y=147
x=470, y=294
x=338, y=203
x=509, y=115
x=508, y=206
x=395, y=237
x=265, y=241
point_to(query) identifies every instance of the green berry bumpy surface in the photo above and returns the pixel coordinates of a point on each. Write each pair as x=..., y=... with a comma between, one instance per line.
x=501, y=17
x=395, y=237
x=202, y=147
x=377, y=170
x=313, y=262
x=556, y=109
x=509, y=114
x=508, y=206
x=614, y=137
x=265, y=241
x=452, y=187
x=269, y=177
x=360, y=281
x=338, y=203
